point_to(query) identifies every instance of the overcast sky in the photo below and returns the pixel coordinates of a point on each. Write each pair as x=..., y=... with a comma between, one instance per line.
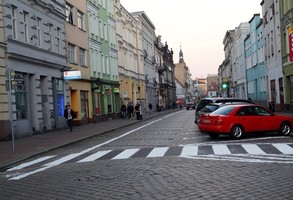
x=198, y=26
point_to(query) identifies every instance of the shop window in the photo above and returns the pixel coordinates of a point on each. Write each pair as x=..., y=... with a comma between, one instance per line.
x=20, y=97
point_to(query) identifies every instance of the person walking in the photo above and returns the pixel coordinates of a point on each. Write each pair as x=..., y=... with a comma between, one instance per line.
x=130, y=110
x=123, y=111
x=69, y=115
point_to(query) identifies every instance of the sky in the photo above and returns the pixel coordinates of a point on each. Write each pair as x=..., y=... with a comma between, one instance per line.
x=197, y=26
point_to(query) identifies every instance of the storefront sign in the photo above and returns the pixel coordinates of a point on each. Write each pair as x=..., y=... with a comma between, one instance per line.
x=69, y=75
x=290, y=31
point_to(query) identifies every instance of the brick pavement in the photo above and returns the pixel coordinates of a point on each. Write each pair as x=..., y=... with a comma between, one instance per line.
x=30, y=146
x=33, y=145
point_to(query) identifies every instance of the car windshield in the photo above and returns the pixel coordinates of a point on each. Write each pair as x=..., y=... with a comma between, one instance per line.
x=225, y=110
x=210, y=108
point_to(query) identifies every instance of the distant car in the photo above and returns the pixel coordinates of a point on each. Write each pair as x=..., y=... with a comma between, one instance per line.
x=238, y=120
x=217, y=100
x=190, y=105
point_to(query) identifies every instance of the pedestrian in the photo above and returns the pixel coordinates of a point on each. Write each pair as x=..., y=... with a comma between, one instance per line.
x=150, y=106
x=123, y=111
x=130, y=111
x=138, y=111
x=69, y=115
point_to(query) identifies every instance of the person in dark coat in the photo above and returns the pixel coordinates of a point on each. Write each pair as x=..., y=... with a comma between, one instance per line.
x=68, y=114
x=130, y=110
x=123, y=111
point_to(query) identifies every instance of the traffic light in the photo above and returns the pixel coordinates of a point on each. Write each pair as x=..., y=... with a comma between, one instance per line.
x=224, y=85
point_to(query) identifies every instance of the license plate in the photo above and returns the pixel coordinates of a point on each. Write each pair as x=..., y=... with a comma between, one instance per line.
x=207, y=121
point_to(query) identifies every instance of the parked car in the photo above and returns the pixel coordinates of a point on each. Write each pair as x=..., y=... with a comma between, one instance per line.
x=219, y=100
x=238, y=120
x=190, y=105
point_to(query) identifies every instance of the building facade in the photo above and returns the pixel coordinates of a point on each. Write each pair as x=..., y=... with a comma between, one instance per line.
x=78, y=90
x=225, y=69
x=286, y=24
x=239, y=88
x=103, y=56
x=5, y=118
x=254, y=62
x=130, y=56
x=34, y=32
x=149, y=69
x=273, y=56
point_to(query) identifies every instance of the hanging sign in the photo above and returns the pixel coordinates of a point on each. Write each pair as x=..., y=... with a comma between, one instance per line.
x=69, y=75
x=290, y=31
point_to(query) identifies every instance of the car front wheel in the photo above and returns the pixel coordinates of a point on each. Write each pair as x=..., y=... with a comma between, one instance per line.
x=236, y=132
x=285, y=129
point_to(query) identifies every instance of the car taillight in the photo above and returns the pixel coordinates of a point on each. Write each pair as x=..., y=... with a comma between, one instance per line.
x=219, y=121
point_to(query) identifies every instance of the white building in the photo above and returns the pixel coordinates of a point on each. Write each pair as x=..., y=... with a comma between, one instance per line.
x=273, y=55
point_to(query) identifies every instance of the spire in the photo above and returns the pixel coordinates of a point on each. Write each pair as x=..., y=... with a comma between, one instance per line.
x=181, y=60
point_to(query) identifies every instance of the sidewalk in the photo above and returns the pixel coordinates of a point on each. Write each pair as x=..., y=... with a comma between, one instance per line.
x=33, y=145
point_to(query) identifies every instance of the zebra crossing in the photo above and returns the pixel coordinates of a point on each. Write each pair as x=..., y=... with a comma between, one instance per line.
x=264, y=153
x=182, y=151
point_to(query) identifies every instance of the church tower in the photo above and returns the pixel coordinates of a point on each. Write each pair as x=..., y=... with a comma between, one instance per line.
x=181, y=60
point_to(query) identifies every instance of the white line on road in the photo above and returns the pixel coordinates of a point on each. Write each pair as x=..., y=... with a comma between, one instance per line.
x=126, y=154
x=157, y=152
x=69, y=157
x=94, y=156
x=284, y=148
x=189, y=151
x=21, y=166
x=252, y=149
x=221, y=149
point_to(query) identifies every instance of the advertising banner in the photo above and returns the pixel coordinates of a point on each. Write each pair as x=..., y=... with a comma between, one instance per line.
x=290, y=32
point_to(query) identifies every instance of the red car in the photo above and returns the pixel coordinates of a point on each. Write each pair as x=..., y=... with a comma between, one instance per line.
x=237, y=120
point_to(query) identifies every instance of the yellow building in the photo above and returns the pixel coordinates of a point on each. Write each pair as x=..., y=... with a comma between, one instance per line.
x=78, y=92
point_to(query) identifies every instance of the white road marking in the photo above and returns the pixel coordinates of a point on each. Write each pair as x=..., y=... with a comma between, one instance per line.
x=189, y=151
x=53, y=164
x=221, y=149
x=27, y=164
x=157, y=152
x=126, y=154
x=284, y=148
x=94, y=156
x=252, y=149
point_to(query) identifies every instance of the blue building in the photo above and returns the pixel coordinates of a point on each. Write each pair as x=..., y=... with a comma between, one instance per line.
x=254, y=60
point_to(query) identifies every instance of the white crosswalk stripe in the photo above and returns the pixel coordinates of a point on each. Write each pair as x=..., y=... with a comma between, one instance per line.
x=284, y=148
x=94, y=156
x=252, y=149
x=158, y=152
x=189, y=151
x=221, y=149
x=126, y=154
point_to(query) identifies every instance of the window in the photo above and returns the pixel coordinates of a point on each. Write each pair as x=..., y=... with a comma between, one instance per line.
x=14, y=21
x=82, y=57
x=69, y=13
x=20, y=97
x=39, y=28
x=25, y=26
x=71, y=53
x=83, y=104
x=80, y=20
x=101, y=29
x=50, y=26
x=58, y=40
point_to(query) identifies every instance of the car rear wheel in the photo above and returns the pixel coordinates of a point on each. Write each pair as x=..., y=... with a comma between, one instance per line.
x=285, y=129
x=214, y=135
x=236, y=132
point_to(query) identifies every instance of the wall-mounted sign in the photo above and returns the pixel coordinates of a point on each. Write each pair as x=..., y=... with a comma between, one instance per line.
x=69, y=75
x=290, y=31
